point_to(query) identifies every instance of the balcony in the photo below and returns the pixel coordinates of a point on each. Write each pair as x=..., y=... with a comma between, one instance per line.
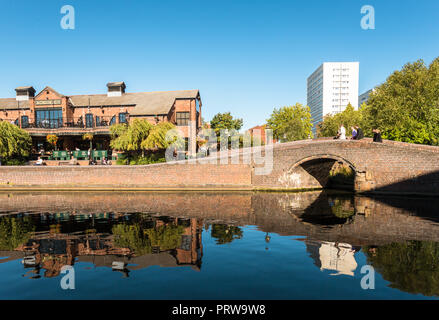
x=75, y=126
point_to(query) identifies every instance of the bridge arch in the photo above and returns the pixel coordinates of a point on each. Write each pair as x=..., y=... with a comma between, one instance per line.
x=322, y=171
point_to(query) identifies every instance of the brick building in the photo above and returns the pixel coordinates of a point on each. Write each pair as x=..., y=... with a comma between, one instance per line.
x=70, y=117
x=258, y=133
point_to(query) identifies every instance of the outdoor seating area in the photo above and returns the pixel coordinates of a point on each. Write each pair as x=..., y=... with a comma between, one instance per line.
x=77, y=157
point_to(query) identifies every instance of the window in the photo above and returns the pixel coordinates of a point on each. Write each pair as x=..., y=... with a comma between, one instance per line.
x=89, y=120
x=182, y=118
x=113, y=120
x=98, y=121
x=48, y=118
x=24, y=121
x=123, y=117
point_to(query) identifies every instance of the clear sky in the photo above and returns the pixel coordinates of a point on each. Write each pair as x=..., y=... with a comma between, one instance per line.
x=246, y=57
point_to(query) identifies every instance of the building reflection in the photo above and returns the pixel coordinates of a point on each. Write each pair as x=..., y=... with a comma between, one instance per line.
x=339, y=257
x=122, y=242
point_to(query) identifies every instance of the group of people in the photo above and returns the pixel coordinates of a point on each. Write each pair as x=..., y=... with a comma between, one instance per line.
x=104, y=161
x=357, y=134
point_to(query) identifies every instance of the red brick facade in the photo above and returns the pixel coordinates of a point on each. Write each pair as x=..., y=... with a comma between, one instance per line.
x=96, y=119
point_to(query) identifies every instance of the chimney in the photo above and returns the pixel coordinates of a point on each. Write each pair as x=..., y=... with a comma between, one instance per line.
x=24, y=93
x=116, y=89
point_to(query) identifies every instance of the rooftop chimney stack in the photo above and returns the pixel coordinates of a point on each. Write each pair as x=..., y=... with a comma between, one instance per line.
x=116, y=89
x=24, y=93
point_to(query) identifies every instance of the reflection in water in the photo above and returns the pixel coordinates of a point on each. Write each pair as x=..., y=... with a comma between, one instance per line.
x=166, y=230
x=225, y=234
x=411, y=266
x=51, y=241
x=333, y=256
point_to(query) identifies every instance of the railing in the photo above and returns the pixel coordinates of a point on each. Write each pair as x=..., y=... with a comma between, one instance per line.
x=81, y=122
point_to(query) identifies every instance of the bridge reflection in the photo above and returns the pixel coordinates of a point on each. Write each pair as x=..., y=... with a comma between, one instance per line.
x=127, y=232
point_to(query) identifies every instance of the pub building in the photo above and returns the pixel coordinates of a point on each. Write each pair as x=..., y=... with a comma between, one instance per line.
x=70, y=117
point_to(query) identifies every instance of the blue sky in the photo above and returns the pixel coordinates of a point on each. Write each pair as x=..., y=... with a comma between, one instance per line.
x=246, y=57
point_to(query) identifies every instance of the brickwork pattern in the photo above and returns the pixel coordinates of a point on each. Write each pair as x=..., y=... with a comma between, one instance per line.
x=390, y=167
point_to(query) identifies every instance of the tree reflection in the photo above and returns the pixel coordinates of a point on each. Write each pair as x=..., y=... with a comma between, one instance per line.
x=145, y=240
x=225, y=234
x=411, y=266
x=342, y=208
x=14, y=232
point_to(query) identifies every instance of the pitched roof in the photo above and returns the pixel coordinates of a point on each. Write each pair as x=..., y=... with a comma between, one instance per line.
x=146, y=103
x=51, y=89
x=12, y=103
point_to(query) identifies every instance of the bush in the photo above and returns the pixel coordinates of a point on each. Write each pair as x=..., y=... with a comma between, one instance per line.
x=135, y=159
x=13, y=162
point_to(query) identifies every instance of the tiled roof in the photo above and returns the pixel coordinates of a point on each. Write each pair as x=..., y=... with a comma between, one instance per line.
x=146, y=103
x=12, y=103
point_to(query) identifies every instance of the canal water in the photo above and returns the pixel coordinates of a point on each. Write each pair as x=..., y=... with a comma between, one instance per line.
x=312, y=245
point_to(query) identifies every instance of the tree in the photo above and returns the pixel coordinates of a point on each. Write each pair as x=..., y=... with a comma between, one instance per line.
x=406, y=107
x=157, y=138
x=291, y=123
x=331, y=123
x=223, y=121
x=129, y=137
x=15, y=143
x=89, y=137
x=140, y=135
x=52, y=139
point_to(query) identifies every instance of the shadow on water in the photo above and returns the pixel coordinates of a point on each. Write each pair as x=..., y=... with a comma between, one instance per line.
x=133, y=231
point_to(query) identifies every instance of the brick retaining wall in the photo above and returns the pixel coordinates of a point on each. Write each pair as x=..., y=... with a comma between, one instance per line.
x=389, y=167
x=137, y=177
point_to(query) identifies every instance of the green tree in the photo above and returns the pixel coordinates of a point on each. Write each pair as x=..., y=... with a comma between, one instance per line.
x=291, y=123
x=129, y=137
x=157, y=138
x=349, y=118
x=406, y=106
x=15, y=143
x=223, y=121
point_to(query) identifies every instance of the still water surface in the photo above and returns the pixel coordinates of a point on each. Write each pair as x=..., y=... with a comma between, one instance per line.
x=217, y=246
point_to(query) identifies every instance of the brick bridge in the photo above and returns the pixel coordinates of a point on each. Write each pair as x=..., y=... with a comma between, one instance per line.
x=388, y=167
